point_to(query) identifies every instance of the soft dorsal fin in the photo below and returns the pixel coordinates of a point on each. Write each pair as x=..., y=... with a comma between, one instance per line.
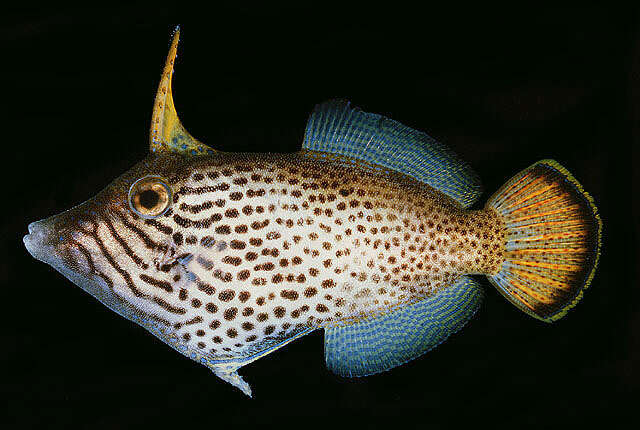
x=334, y=127
x=167, y=133
x=384, y=342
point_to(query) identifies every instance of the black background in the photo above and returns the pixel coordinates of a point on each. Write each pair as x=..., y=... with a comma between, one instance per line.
x=503, y=87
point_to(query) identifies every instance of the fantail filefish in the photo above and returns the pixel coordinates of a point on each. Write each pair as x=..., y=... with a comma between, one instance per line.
x=365, y=233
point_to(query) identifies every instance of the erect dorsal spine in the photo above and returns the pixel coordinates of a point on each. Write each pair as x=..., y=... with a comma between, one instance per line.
x=167, y=133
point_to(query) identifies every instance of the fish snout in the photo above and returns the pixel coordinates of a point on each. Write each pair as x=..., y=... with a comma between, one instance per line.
x=53, y=241
x=38, y=241
x=45, y=240
x=56, y=243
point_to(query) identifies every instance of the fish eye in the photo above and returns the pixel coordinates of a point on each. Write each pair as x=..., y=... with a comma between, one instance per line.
x=150, y=197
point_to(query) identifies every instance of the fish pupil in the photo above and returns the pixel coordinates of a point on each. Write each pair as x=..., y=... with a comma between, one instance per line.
x=149, y=199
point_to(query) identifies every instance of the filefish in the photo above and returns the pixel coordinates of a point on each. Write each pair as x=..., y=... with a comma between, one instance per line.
x=365, y=233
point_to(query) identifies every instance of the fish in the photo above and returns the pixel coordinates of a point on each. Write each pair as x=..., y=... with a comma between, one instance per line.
x=367, y=233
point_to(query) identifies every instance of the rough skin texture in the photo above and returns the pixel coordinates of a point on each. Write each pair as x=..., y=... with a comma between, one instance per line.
x=259, y=246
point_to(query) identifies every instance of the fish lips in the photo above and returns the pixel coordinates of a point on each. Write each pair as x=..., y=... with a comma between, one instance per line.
x=38, y=242
x=41, y=242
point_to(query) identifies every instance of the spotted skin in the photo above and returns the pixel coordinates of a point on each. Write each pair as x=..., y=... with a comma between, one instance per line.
x=258, y=246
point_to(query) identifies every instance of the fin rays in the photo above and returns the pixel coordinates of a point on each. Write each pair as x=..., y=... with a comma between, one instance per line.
x=553, y=240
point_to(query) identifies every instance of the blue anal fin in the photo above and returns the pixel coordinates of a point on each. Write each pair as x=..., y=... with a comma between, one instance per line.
x=384, y=342
x=336, y=128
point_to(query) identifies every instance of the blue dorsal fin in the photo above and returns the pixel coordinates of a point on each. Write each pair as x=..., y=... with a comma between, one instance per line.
x=334, y=127
x=382, y=343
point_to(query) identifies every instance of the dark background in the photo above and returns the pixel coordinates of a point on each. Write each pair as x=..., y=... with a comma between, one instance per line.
x=503, y=87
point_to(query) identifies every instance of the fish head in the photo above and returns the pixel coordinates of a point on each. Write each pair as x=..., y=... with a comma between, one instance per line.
x=130, y=249
x=118, y=245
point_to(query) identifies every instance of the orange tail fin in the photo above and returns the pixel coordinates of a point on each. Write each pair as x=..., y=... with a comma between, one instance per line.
x=553, y=240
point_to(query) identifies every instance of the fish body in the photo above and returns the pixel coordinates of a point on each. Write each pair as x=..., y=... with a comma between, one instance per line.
x=227, y=257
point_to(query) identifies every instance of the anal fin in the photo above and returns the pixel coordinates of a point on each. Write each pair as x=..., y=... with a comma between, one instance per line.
x=384, y=342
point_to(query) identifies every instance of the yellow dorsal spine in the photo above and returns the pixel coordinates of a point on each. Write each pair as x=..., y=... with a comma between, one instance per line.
x=167, y=133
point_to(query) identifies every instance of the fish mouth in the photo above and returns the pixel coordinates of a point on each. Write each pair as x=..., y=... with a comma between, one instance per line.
x=38, y=243
x=46, y=244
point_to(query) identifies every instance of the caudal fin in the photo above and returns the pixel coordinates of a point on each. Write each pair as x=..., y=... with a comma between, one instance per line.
x=553, y=240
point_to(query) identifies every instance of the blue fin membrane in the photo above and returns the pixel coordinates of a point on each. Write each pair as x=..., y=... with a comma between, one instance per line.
x=382, y=343
x=334, y=127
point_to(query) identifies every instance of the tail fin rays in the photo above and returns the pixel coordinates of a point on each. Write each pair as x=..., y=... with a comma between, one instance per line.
x=553, y=240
